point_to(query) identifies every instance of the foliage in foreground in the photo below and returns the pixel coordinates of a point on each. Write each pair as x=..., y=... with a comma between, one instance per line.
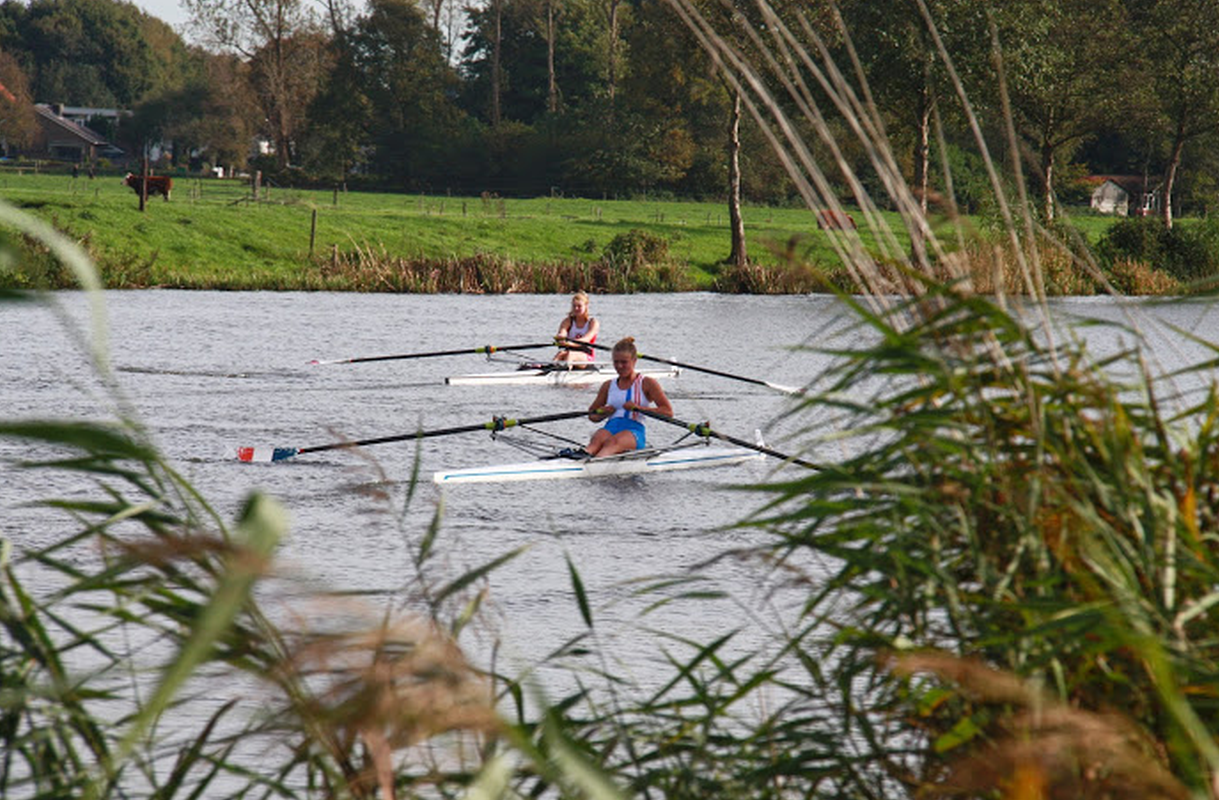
x=1030, y=510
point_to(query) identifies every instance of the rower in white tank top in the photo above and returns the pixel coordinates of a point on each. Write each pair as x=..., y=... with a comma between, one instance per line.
x=578, y=326
x=616, y=405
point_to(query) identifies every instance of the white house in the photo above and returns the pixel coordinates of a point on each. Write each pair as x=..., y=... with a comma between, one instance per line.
x=1136, y=195
x=1110, y=198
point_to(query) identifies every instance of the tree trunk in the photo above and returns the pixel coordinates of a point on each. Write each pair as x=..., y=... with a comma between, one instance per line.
x=922, y=173
x=1047, y=177
x=922, y=154
x=495, y=63
x=612, y=76
x=552, y=85
x=1170, y=173
x=738, y=257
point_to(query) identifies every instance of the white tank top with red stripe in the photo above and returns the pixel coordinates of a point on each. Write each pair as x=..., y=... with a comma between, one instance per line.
x=575, y=331
x=618, y=397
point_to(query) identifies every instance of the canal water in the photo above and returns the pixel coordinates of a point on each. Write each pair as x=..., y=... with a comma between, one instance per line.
x=208, y=372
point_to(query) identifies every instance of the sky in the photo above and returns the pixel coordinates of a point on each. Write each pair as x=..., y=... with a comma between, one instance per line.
x=170, y=11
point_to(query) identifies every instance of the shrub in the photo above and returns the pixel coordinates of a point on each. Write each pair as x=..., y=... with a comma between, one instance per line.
x=635, y=249
x=1184, y=252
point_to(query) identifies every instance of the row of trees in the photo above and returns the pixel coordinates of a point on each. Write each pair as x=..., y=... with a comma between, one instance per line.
x=617, y=96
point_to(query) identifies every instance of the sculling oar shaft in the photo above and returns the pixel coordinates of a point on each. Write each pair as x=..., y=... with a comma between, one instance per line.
x=488, y=349
x=704, y=429
x=776, y=386
x=263, y=454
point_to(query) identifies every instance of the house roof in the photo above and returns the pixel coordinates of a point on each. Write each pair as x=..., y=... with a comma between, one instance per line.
x=1135, y=184
x=68, y=126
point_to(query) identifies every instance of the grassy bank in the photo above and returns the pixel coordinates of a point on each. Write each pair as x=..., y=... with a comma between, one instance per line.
x=213, y=235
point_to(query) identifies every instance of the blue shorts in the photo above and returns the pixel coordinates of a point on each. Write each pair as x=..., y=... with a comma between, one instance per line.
x=617, y=425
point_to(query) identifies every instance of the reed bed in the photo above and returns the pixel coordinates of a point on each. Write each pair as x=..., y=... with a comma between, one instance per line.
x=374, y=269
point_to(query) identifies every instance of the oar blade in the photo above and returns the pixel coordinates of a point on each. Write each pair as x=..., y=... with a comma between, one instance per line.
x=778, y=387
x=265, y=455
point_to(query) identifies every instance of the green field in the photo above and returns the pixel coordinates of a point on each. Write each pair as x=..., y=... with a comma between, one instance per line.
x=213, y=235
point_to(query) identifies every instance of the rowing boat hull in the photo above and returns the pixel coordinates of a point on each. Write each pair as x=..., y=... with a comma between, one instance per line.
x=638, y=463
x=553, y=377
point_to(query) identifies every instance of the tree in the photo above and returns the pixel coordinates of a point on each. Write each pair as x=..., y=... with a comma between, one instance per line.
x=88, y=52
x=504, y=63
x=17, y=123
x=286, y=75
x=902, y=68
x=1064, y=65
x=1181, y=50
x=209, y=118
x=281, y=41
x=398, y=65
x=340, y=117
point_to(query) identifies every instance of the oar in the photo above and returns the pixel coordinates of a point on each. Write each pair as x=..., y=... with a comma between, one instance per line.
x=488, y=349
x=704, y=429
x=776, y=386
x=263, y=454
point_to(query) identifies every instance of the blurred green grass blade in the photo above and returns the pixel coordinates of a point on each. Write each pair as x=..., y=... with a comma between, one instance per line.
x=193, y=755
x=491, y=782
x=259, y=531
x=476, y=574
x=97, y=439
x=577, y=586
x=467, y=614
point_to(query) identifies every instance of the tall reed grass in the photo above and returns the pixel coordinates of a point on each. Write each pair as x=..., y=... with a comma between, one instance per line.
x=1005, y=571
x=374, y=269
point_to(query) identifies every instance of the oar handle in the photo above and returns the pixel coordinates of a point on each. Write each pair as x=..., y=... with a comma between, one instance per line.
x=572, y=344
x=709, y=371
x=704, y=429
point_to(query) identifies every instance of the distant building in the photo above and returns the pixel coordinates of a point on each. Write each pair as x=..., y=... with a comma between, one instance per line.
x=81, y=115
x=62, y=138
x=1111, y=198
x=1125, y=194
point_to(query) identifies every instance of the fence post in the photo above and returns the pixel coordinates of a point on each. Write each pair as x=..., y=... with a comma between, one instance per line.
x=312, y=232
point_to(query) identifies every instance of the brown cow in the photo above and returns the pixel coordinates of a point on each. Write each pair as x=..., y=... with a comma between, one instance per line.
x=157, y=184
x=829, y=220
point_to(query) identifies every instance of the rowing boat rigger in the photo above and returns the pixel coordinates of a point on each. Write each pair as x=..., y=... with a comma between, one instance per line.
x=558, y=373
x=692, y=455
x=568, y=462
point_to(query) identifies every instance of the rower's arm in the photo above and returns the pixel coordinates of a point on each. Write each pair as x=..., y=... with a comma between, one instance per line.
x=598, y=410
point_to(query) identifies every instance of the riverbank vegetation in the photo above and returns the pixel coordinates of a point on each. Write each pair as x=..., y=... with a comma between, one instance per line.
x=214, y=234
x=1005, y=567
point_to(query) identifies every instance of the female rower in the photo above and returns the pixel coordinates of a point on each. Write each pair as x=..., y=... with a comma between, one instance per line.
x=578, y=326
x=618, y=402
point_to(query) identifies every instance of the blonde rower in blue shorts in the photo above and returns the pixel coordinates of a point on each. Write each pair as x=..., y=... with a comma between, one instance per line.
x=617, y=401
